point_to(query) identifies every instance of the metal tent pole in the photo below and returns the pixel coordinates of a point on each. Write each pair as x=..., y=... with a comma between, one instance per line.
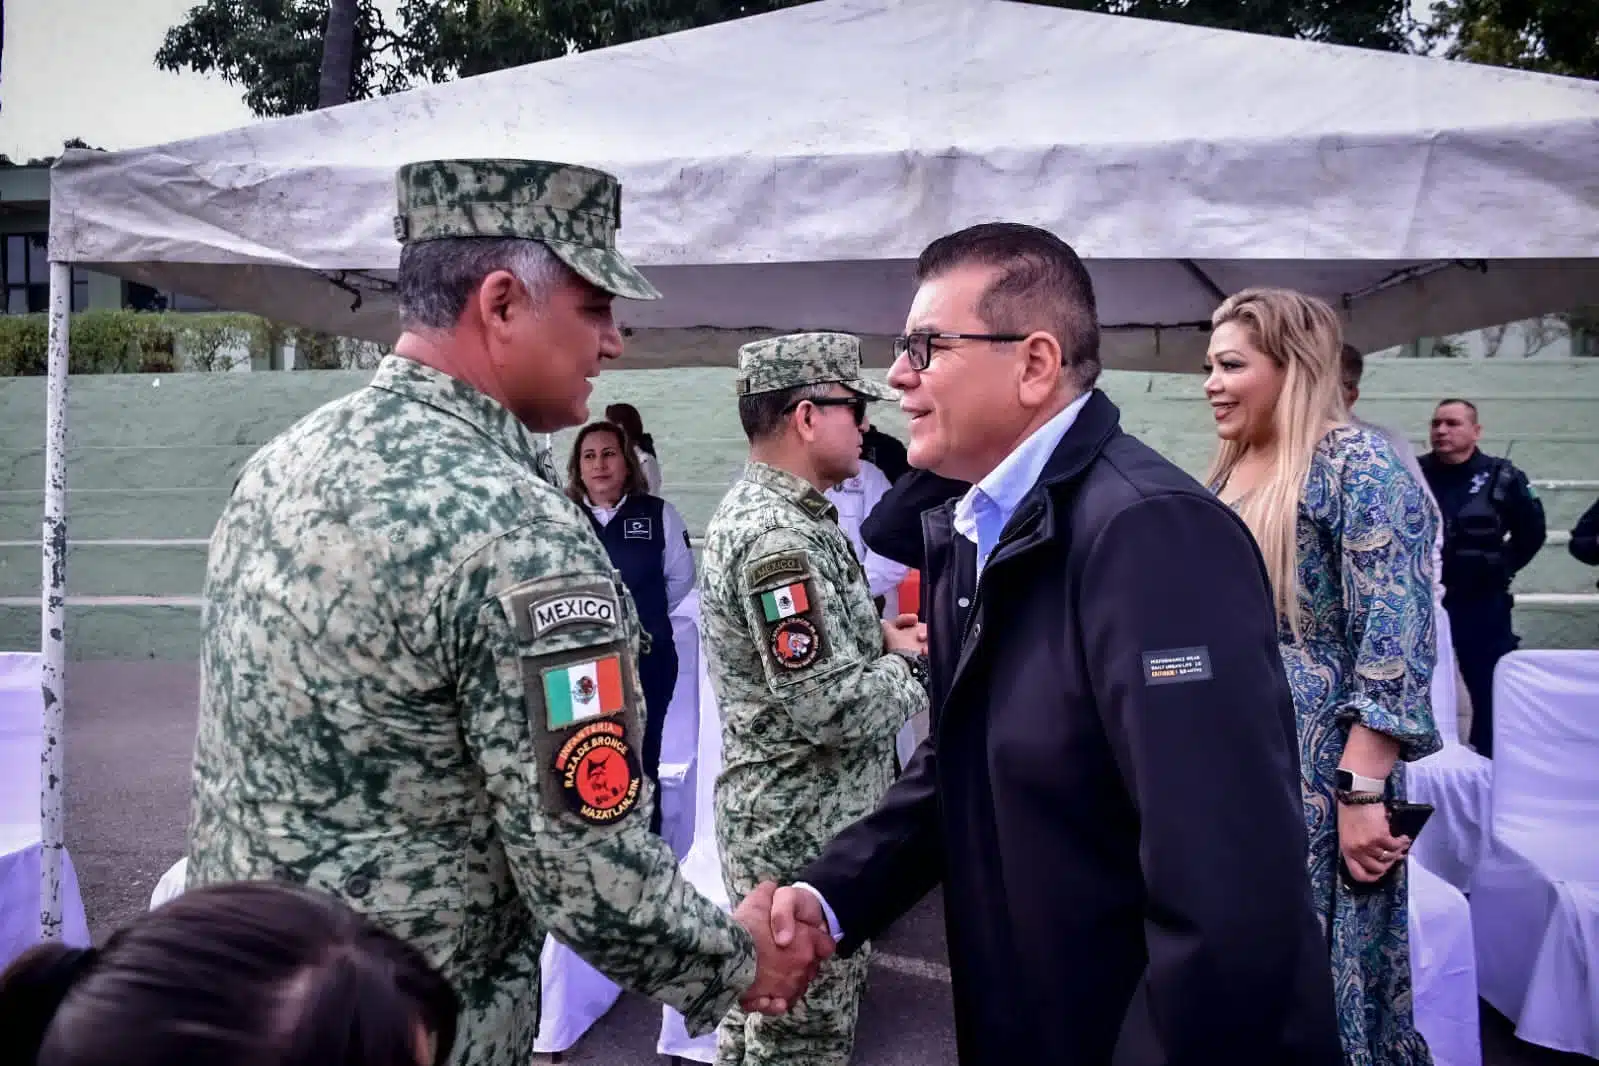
x=53, y=622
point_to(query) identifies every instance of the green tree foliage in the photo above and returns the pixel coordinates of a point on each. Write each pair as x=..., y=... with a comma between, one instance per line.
x=273, y=48
x=460, y=38
x=1382, y=24
x=1550, y=36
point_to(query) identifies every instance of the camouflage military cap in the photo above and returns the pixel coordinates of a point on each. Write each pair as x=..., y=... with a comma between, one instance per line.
x=572, y=210
x=805, y=359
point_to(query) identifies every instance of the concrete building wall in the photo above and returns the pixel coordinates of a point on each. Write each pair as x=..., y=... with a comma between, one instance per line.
x=151, y=460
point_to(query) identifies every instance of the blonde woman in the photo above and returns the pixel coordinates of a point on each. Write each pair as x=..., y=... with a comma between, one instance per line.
x=1347, y=537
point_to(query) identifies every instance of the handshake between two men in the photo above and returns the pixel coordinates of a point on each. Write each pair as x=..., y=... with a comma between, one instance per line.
x=791, y=942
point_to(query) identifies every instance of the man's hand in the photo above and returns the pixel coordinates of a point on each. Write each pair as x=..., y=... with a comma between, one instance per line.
x=782, y=971
x=905, y=634
x=793, y=908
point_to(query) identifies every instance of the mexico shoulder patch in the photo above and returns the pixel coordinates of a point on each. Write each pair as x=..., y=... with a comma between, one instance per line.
x=790, y=616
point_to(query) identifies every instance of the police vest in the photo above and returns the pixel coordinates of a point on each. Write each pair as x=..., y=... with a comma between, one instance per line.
x=1474, y=543
x=635, y=539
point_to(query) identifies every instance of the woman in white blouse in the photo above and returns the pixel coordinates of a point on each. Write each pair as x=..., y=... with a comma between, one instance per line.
x=648, y=544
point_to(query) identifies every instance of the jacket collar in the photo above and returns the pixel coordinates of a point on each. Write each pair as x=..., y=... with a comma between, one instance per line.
x=796, y=490
x=1096, y=423
x=455, y=398
x=1034, y=523
x=1033, y=520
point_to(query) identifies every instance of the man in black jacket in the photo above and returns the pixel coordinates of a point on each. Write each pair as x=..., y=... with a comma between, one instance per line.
x=1110, y=793
x=893, y=529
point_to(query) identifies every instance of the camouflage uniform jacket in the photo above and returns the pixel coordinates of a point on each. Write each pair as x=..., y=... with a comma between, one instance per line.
x=810, y=701
x=393, y=603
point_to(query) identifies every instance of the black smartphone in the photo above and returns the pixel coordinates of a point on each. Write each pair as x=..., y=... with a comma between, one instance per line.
x=1404, y=820
x=1407, y=819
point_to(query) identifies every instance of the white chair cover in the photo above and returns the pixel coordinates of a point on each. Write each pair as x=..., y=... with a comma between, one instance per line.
x=1443, y=969
x=1444, y=693
x=681, y=736
x=703, y=864
x=1457, y=781
x=575, y=995
x=21, y=846
x=171, y=885
x=1535, y=894
x=905, y=742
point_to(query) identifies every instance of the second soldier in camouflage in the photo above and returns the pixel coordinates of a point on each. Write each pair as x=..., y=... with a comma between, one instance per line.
x=811, y=687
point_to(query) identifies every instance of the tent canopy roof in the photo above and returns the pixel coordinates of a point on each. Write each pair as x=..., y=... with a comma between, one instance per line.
x=784, y=170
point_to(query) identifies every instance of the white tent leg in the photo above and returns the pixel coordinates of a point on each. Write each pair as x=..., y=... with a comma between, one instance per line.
x=53, y=623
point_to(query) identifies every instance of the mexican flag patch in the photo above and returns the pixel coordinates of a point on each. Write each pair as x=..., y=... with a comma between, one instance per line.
x=583, y=690
x=785, y=602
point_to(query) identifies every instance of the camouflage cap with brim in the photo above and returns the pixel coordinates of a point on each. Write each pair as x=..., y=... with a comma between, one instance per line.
x=805, y=359
x=574, y=211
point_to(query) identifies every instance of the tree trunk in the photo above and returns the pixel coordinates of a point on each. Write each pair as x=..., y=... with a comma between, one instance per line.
x=338, y=54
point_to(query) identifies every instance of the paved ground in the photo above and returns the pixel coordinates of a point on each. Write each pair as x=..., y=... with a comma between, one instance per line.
x=130, y=728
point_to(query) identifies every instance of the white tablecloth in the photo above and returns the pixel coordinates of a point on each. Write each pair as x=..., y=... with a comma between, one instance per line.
x=702, y=866
x=21, y=729
x=1443, y=969
x=1535, y=893
x=19, y=897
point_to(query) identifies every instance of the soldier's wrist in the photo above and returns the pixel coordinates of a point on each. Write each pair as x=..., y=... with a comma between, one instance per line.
x=736, y=977
x=917, y=661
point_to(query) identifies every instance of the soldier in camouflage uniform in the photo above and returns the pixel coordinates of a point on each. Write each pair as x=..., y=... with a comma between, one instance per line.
x=419, y=688
x=812, y=685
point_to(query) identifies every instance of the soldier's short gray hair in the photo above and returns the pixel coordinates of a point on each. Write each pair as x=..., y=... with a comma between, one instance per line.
x=762, y=413
x=437, y=278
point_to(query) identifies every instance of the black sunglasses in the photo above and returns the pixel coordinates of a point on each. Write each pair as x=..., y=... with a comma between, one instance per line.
x=857, y=405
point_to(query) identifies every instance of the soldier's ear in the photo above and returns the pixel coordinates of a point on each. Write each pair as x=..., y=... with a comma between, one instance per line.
x=803, y=416
x=495, y=296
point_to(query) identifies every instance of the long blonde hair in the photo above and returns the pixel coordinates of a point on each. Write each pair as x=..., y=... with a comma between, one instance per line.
x=1302, y=335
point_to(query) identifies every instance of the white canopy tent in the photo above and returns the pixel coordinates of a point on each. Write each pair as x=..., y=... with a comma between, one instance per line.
x=783, y=171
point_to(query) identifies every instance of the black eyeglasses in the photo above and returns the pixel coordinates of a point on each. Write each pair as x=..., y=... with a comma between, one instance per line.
x=857, y=405
x=918, y=347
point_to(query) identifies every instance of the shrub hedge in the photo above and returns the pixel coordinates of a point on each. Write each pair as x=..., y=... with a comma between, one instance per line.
x=152, y=342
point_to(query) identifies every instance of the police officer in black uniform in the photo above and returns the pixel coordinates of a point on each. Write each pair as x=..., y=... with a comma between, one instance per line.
x=1493, y=526
x=1584, y=545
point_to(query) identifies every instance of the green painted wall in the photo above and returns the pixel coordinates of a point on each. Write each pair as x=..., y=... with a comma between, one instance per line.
x=152, y=458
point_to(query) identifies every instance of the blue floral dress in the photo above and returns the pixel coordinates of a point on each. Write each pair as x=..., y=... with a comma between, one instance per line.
x=1365, y=655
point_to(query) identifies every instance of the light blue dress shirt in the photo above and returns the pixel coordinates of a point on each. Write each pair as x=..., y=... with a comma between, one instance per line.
x=981, y=514
x=980, y=517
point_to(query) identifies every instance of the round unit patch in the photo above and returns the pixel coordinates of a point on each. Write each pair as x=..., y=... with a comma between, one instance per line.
x=599, y=773
x=795, y=643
